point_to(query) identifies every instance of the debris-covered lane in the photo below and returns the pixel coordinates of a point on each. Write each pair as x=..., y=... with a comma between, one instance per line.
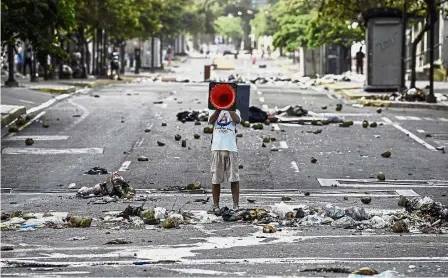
x=137, y=127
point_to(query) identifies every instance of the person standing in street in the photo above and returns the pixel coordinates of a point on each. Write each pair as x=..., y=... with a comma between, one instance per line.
x=115, y=63
x=360, y=61
x=28, y=60
x=225, y=161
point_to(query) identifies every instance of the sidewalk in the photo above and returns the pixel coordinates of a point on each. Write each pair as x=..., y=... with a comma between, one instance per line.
x=354, y=90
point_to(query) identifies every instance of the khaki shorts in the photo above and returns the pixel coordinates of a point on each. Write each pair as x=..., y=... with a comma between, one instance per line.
x=224, y=167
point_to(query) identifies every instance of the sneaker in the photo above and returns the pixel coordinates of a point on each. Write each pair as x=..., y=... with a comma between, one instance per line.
x=236, y=207
x=213, y=210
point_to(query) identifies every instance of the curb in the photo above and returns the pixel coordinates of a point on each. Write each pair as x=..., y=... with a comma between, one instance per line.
x=12, y=115
x=54, y=90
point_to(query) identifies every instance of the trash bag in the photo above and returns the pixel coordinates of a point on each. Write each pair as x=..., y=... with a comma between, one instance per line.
x=333, y=212
x=314, y=220
x=189, y=116
x=256, y=115
x=281, y=209
x=378, y=222
x=357, y=213
x=345, y=222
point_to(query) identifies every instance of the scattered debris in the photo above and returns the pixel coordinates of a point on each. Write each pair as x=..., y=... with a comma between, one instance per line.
x=5, y=247
x=173, y=221
x=13, y=129
x=307, y=194
x=373, y=124
x=274, y=149
x=338, y=107
x=158, y=102
x=97, y=171
x=160, y=144
x=379, y=110
x=250, y=200
x=147, y=130
x=365, y=271
x=245, y=124
x=366, y=200
x=197, y=123
x=263, y=145
x=240, y=166
x=313, y=160
x=386, y=154
x=164, y=124
x=266, y=140
x=318, y=131
x=79, y=222
x=45, y=124
x=184, y=143
x=76, y=116
x=269, y=229
x=196, y=136
x=365, y=124
x=142, y=158
x=29, y=141
x=400, y=227
x=286, y=198
x=208, y=130
x=239, y=135
x=97, y=96
x=428, y=135
x=177, y=137
x=77, y=238
x=72, y=185
x=119, y=241
x=324, y=107
x=257, y=126
x=381, y=176
x=115, y=185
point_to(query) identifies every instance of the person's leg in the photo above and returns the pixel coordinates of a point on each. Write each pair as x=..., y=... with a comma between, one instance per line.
x=235, y=193
x=234, y=178
x=216, y=193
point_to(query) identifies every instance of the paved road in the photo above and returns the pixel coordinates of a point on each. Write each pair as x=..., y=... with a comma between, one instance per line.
x=109, y=132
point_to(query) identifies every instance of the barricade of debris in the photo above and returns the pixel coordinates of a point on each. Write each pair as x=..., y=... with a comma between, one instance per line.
x=115, y=185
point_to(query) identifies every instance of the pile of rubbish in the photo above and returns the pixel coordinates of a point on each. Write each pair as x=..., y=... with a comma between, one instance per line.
x=115, y=185
x=191, y=116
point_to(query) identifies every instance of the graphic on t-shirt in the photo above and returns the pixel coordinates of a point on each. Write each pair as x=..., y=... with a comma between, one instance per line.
x=224, y=121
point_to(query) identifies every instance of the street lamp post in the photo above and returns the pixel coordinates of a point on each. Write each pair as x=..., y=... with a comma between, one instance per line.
x=403, y=45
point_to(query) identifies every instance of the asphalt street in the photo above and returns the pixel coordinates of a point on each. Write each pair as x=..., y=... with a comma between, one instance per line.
x=106, y=126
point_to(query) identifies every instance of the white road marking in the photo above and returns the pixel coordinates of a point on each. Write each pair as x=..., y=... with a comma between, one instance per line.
x=48, y=103
x=443, y=119
x=52, y=151
x=125, y=166
x=283, y=145
x=295, y=167
x=84, y=115
x=164, y=105
x=158, y=114
x=265, y=107
x=276, y=127
x=330, y=96
x=26, y=101
x=411, y=135
x=407, y=192
x=259, y=92
x=414, y=118
x=428, y=119
x=403, y=118
x=361, y=183
x=420, y=131
x=261, y=99
x=149, y=126
x=39, y=137
x=139, y=143
x=28, y=123
x=311, y=113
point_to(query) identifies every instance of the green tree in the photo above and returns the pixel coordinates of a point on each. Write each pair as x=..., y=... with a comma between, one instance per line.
x=322, y=31
x=293, y=18
x=229, y=27
x=263, y=23
x=35, y=21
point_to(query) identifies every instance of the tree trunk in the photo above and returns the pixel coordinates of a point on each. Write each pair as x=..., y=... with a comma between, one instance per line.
x=104, y=58
x=81, y=43
x=122, y=53
x=88, y=58
x=99, y=41
x=11, y=82
x=417, y=39
x=94, y=49
x=161, y=51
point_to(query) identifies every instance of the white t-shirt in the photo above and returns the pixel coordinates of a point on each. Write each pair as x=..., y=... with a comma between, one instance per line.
x=224, y=136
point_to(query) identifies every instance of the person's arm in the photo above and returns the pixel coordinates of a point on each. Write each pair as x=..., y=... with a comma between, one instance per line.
x=235, y=118
x=214, y=117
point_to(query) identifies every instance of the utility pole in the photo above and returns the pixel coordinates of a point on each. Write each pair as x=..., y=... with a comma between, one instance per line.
x=403, y=44
x=432, y=11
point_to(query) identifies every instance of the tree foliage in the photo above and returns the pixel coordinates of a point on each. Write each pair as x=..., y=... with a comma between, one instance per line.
x=264, y=24
x=229, y=27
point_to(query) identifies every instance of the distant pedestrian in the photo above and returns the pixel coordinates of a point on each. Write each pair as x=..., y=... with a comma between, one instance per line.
x=269, y=51
x=360, y=61
x=28, y=60
x=115, y=63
